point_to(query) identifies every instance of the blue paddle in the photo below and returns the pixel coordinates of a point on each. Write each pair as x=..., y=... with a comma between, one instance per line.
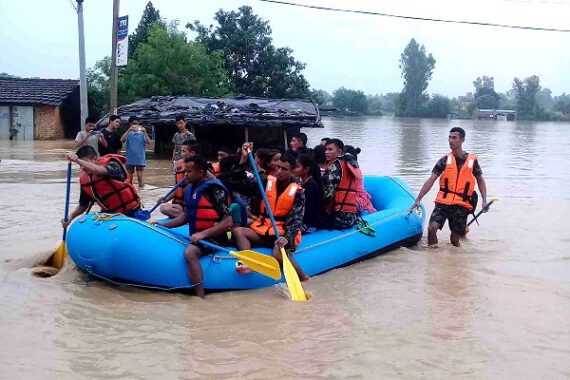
x=145, y=214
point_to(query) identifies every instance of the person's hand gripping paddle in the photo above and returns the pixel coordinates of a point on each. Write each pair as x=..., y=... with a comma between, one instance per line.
x=291, y=277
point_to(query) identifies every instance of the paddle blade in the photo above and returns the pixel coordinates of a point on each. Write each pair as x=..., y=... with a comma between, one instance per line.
x=264, y=264
x=292, y=279
x=59, y=256
x=142, y=215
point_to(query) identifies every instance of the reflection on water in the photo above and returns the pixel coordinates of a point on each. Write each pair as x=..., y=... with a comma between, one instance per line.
x=498, y=307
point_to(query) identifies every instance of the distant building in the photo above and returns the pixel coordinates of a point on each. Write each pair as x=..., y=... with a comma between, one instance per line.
x=465, y=101
x=38, y=109
x=491, y=114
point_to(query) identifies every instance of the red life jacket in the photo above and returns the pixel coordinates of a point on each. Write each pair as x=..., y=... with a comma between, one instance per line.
x=280, y=205
x=113, y=196
x=456, y=187
x=345, y=196
x=200, y=212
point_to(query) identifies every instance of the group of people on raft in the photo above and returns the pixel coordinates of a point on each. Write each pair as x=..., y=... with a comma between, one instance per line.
x=307, y=189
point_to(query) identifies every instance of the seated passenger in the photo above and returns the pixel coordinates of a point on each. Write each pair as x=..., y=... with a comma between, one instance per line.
x=339, y=187
x=207, y=215
x=105, y=181
x=188, y=148
x=310, y=176
x=238, y=207
x=363, y=199
x=223, y=152
x=287, y=202
x=298, y=145
x=320, y=159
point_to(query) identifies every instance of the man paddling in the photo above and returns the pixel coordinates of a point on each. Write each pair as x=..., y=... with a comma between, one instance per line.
x=287, y=202
x=207, y=215
x=105, y=181
x=458, y=170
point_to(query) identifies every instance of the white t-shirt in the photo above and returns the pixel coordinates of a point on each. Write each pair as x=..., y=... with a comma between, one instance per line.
x=92, y=141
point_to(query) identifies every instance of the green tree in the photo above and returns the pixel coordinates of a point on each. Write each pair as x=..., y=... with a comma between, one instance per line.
x=350, y=101
x=168, y=65
x=438, y=107
x=417, y=68
x=390, y=103
x=149, y=17
x=98, y=87
x=525, y=92
x=562, y=103
x=485, y=95
x=544, y=99
x=374, y=104
x=320, y=97
x=255, y=66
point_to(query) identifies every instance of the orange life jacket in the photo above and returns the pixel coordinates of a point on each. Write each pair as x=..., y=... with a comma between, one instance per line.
x=216, y=167
x=345, y=196
x=200, y=212
x=456, y=187
x=180, y=173
x=280, y=205
x=113, y=196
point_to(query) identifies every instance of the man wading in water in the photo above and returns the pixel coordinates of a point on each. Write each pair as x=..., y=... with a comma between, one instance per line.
x=458, y=170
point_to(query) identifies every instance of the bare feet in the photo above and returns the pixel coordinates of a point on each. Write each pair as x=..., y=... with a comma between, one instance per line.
x=241, y=268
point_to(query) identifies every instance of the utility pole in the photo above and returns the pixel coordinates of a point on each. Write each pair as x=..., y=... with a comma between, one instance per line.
x=114, y=72
x=82, y=76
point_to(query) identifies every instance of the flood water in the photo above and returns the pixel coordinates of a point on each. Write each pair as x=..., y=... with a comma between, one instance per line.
x=496, y=308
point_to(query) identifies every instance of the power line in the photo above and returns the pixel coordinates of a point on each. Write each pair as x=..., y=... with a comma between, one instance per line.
x=369, y=13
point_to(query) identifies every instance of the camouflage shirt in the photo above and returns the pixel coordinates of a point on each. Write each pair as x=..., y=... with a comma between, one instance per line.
x=330, y=181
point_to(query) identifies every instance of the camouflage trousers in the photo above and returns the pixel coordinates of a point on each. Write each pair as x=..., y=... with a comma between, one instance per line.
x=457, y=216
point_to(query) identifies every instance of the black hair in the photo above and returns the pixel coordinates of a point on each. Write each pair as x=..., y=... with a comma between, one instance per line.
x=461, y=131
x=199, y=162
x=90, y=119
x=228, y=163
x=325, y=139
x=226, y=150
x=301, y=136
x=338, y=143
x=308, y=161
x=290, y=159
x=114, y=117
x=319, y=153
x=263, y=154
x=352, y=150
x=132, y=119
x=86, y=151
x=193, y=145
x=180, y=117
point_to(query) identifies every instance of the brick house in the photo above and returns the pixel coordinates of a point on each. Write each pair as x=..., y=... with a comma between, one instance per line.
x=38, y=109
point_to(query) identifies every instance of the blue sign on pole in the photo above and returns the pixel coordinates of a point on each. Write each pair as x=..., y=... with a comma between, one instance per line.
x=122, y=40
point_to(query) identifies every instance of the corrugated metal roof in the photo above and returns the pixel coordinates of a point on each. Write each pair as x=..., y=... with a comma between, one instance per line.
x=238, y=111
x=35, y=91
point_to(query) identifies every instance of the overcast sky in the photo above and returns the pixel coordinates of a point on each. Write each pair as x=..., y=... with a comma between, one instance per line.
x=39, y=39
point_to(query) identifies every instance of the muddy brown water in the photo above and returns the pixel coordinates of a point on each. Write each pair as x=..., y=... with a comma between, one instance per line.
x=498, y=307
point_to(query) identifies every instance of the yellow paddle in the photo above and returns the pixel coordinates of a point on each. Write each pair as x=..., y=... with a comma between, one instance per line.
x=291, y=277
x=264, y=264
x=58, y=258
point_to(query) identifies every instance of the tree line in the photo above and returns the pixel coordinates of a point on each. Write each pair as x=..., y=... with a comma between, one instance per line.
x=235, y=55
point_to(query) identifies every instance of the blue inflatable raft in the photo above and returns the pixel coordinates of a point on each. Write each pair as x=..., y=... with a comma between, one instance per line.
x=129, y=251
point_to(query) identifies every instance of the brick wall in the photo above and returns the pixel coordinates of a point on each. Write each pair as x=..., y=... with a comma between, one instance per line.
x=48, y=123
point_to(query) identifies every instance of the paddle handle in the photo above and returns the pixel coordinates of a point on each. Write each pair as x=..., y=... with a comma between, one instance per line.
x=480, y=212
x=67, y=193
x=169, y=193
x=203, y=242
x=262, y=191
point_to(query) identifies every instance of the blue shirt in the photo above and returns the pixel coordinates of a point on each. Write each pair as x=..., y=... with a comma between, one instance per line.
x=136, y=148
